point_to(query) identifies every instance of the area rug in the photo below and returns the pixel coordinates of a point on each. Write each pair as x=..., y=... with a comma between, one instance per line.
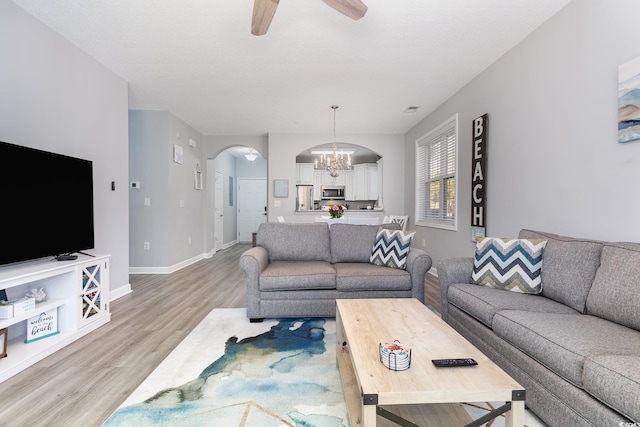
x=231, y=372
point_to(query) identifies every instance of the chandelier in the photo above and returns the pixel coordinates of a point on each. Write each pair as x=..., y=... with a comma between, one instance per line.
x=334, y=160
x=251, y=155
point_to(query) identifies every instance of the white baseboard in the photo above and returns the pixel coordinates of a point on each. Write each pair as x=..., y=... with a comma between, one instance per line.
x=119, y=292
x=432, y=271
x=166, y=270
x=228, y=245
x=179, y=266
x=225, y=246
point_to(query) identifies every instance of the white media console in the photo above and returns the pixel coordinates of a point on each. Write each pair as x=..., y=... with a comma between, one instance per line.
x=77, y=289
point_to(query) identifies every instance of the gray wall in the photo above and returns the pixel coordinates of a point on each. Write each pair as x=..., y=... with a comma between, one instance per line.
x=554, y=162
x=55, y=97
x=173, y=223
x=148, y=136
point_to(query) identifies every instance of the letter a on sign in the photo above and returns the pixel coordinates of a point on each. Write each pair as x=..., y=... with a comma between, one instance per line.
x=479, y=173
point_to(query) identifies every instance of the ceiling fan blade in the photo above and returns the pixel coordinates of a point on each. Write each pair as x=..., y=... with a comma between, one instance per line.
x=263, y=11
x=354, y=9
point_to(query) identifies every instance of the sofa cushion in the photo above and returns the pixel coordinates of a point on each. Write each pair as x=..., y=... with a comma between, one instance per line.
x=297, y=275
x=615, y=381
x=483, y=303
x=369, y=277
x=509, y=264
x=569, y=266
x=563, y=342
x=295, y=242
x=353, y=242
x=615, y=293
x=391, y=248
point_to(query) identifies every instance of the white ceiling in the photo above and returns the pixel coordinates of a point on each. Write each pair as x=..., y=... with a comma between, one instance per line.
x=198, y=59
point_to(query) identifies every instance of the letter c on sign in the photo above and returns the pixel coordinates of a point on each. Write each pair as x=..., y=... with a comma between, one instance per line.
x=475, y=193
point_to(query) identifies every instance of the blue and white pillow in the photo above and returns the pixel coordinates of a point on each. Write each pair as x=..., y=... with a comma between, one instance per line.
x=509, y=264
x=391, y=248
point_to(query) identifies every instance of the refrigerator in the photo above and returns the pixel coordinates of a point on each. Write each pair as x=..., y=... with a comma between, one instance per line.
x=304, y=197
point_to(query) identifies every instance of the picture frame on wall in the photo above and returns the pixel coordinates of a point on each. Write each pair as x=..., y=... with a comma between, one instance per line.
x=198, y=180
x=177, y=153
x=280, y=188
x=629, y=101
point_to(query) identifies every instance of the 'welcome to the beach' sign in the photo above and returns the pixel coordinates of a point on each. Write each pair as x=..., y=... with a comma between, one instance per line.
x=43, y=325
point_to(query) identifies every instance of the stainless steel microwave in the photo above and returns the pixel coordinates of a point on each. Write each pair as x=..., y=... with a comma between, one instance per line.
x=332, y=192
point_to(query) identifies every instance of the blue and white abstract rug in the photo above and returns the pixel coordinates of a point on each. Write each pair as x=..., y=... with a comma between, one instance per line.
x=230, y=372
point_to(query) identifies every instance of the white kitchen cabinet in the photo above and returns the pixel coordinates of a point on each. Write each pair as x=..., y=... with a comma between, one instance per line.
x=359, y=184
x=349, y=186
x=372, y=181
x=366, y=181
x=305, y=173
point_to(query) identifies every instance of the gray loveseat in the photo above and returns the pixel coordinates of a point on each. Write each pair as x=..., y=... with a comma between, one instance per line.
x=299, y=270
x=576, y=346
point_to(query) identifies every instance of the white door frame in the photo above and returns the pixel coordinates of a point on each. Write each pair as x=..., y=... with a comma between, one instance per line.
x=218, y=209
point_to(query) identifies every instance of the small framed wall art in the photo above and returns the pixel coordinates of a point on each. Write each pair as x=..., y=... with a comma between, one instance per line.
x=629, y=101
x=280, y=188
x=177, y=153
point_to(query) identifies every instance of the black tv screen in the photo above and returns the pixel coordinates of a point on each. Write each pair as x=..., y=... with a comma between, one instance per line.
x=47, y=204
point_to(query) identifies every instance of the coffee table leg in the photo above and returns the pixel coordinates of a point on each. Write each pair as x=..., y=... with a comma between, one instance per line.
x=339, y=335
x=515, y=417
x=369, y=415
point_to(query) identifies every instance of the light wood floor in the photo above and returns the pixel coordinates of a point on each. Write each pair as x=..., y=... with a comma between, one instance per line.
x=82, y=384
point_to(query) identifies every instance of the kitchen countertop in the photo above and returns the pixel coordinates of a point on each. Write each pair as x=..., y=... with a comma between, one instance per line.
x=347, y=212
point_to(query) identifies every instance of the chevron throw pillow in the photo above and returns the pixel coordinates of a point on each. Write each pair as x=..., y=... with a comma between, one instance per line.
x=391, y=248
x=510, y=264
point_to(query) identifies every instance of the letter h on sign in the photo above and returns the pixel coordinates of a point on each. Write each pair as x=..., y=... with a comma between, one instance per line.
x=478, y=180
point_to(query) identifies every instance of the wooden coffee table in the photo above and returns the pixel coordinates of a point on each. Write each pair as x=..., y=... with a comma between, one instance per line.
x=423, y=393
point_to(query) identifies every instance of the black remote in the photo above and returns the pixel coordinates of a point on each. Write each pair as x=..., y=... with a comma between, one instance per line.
x=452, y=363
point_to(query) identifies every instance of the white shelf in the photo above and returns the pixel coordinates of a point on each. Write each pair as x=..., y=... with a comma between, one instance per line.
x=63, y=284
x=43, y=306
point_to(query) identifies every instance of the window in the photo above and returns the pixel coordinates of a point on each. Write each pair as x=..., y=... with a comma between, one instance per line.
x=436, y=167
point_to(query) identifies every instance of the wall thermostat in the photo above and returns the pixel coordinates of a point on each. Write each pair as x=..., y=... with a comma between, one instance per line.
x=135, y=184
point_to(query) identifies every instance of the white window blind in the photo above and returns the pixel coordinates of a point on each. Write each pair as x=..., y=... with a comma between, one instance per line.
x=436, y=166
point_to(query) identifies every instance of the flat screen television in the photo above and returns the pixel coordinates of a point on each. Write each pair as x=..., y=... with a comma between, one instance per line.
x=47, y=204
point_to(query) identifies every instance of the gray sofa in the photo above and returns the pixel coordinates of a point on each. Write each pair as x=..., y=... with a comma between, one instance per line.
x=299, y=270
x=576, y=346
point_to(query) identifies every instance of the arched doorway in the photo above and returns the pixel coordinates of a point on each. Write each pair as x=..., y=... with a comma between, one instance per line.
x=237, y=187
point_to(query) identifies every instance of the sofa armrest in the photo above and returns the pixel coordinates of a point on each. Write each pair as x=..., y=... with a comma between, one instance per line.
x=450, y=272
x=418, y=263
x=252, y=262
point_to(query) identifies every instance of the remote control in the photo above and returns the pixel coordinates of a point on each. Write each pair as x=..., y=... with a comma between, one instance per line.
x=454, y=362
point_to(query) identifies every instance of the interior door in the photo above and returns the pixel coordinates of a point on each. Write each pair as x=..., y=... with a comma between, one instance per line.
x=218, y=224
x=252, y=206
